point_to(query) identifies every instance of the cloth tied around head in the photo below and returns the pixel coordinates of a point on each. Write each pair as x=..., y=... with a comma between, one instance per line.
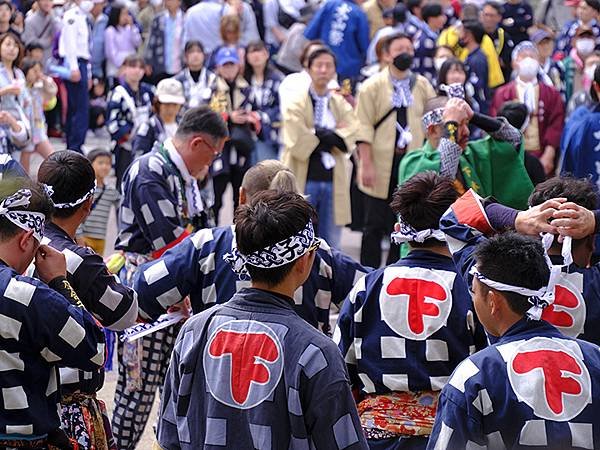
x=26, y=220
x=279, y=254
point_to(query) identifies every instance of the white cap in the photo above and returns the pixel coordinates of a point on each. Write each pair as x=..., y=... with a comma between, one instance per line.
x=170, y=90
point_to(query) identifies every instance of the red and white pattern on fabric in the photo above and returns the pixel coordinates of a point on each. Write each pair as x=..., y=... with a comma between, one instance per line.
x=415, y=302
x=243, y=363
x=550, y=377
x=568, y=312
x=469, y=210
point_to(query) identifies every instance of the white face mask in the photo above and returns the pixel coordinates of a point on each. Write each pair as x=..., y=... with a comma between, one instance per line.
x=585, y=46
x=86, y=5
x=156, y=3
x=437, y=63
x=528, y=68
x=589, y=72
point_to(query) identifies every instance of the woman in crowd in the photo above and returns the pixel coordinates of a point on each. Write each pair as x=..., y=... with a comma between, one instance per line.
x=15, y=102
x=264, y=82
x=122, y=38
x=231, y=36
x=198, y=82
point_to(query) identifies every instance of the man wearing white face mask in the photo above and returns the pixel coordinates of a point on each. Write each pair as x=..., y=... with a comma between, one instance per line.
x=546, y=108
x=583, y=44
x=74, y=47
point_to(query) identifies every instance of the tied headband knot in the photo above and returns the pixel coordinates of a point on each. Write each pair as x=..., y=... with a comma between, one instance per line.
x=276, y=255
x=408, y=233
x=79, y=201
x=455, y=90
x=26, y=220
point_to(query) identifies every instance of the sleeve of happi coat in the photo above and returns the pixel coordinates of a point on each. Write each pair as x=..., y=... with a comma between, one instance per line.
x=344, y=335
x=166, y=432
x=144, y=138
x=154, y=211
x=116, y=121
x=113, y=303
x=67, y=335
x=465, y=225
x=167, y=281
x=345, y=273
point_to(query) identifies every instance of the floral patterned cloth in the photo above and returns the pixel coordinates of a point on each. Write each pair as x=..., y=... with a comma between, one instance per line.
x=84, y=418
x=398, y=414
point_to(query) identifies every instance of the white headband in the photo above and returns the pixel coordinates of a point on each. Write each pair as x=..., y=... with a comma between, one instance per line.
x=77, y=202
x=543, y=297
x=409, y=234
x=276, y=255
x=26, y=220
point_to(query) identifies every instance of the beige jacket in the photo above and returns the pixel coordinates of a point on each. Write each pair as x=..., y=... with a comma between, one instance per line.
x=373, y=103
x=300, y=141
x=374, y=16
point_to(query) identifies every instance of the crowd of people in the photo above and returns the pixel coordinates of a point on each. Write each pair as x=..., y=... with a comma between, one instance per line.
x=464, y=133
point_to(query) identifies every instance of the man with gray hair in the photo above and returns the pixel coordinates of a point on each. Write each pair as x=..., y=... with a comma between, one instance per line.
x=546, y=109
x=161, y=206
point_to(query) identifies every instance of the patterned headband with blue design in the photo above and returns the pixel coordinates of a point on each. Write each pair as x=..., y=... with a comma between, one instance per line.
x=408, y=233
x=26, y=220
x=434, y=117
x=277, y=255
x=453, y=90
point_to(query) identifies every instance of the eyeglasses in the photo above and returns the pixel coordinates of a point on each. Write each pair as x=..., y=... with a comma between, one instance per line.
x=214, y=149
x=315, y=245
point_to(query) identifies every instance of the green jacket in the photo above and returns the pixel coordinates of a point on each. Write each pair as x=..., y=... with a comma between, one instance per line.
x=490, y=167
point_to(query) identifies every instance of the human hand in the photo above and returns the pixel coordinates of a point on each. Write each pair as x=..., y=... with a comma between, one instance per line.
x=574, y=220
x=50, y=263
x=367, y=173
x=11, y=89
x=239, y=117
x=75, y=76
x=536, y=220
x=457, y=110
x=547, y=159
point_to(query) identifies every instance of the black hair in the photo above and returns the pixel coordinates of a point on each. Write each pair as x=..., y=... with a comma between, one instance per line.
x=270, y=217
x=97, y=153
x=516, y=260
x=71, y=176
x=6, y=3
x=38, y=202
x=497, y=6
x=34, y=45
x=29, y=63
x=450, y=63
x=515, y=112
x=431, y=10
x=248, y=70
x=399, y=13
x=475, y=28
x=113, y=15
x=576, y=190
x=394, y=37
x=189, y=45
x=413, y=4
x=202, y=120
x=319, y=52
x=594, y=4
x=423, y=199
x=596, y=80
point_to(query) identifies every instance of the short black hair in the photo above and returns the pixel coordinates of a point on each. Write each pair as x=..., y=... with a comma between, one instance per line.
x=270, y=217
x=320, y=52
x=422, y=200
x=593, y=93
x=450, y=63
x=399, y=13
x=516, y=260
x=189, y=45
x=413, y=4
x=7, y=3
x=431, y=10
x=576, y=190
x=28, y=63
x=594, y=4
x=114, y=14
x=97, y=153
x=202, y=120
x=38, y=202
x=34, y=45
x=71, y=176
x=515, y=112
x=497, y=6
x=394, y=37
x=475, y=28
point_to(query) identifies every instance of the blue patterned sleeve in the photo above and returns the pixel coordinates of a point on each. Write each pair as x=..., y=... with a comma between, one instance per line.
x=166, y=432
x=167, y=281
x=345, y=273
x=116, y=121
x=144, y=138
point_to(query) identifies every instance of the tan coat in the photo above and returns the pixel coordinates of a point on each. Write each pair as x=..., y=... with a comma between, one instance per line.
x=373, y=103
x=300, y=141
x=374, y=16
x=221, y=100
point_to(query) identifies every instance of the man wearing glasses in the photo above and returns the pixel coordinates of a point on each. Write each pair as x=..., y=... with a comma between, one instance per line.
x=161, y=206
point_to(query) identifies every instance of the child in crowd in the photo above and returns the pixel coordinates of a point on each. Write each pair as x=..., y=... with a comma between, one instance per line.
x=167, y=103
x=98, y=104
x=128, y=107
x=42, y=90
x=93, y=230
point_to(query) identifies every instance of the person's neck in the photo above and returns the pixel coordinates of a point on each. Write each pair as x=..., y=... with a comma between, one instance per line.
x=398, y=74
x=259, y=73
x=168, y=120
x=195, y=69
x=8, y=65
x=69, y=224
x=284, y=288
x=525, y=81
x=134, y=85
x=434, y=142
x=506, y=323
x=320, y=90
x=437, y=249
x=472, y=46
x=99, y=181
x=4, y=27
x=490, y=30
x=9, y=253
x=172, y=13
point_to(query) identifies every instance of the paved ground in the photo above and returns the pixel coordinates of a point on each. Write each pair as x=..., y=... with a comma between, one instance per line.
x=350, y=244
